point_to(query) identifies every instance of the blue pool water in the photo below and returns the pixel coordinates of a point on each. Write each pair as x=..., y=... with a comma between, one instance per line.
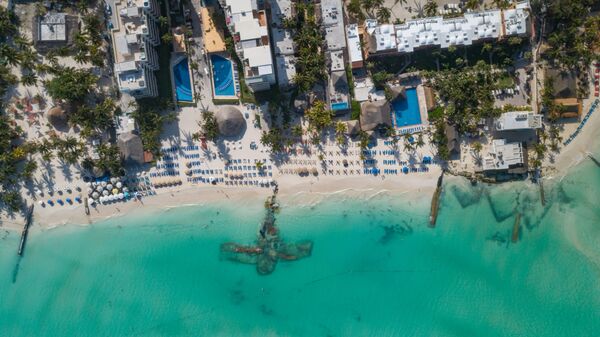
x=222, y=76
x=339, y=106
x=183, y=84
x=407, y=110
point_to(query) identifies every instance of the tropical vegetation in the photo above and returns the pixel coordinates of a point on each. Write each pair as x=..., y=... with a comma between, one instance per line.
x=310, y=63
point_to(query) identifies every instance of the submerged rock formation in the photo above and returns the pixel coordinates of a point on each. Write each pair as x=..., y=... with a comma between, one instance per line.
x=269, y=247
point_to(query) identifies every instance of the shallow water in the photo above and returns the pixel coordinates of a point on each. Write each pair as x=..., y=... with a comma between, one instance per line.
x=376, y=269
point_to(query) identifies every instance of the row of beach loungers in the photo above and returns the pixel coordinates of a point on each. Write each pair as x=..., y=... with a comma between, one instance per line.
x=585, y=119
x=405, y=170
x=167, y=165
x=168, y=173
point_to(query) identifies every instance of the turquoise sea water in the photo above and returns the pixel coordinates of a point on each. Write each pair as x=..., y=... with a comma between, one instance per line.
x=160, y=275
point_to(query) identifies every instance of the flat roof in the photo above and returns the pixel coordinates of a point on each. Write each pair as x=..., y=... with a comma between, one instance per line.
x=445, y=32
x=249, y=29
x=214, y=41
x=258, y=56
x=354, y=47
x=518, y=120
x=503, y=155
x=239, y=6
x=53, y=27
x=331, y=12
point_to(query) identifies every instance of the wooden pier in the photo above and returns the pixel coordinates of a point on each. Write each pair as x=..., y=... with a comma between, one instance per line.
x=516, y=228
x=593, y=159
x=542, y=194
x=28, y=219
x=435, y=201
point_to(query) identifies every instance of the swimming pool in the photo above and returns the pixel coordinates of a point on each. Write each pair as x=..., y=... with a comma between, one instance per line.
x=183, y=84
x=407, y=110
x=222, y=76
x=339, y=106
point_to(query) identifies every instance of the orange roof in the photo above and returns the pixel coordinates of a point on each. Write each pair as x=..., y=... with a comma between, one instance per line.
x=214, y=41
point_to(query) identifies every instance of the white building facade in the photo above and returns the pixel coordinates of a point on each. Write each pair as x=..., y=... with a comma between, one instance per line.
x=518, y=120
x=134, y=37
x=440, y=32
x=504, y=156
x=249, y=27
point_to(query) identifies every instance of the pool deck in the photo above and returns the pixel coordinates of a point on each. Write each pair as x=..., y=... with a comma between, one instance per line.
x=422, y=110
x=175, y=59
x=212, y=77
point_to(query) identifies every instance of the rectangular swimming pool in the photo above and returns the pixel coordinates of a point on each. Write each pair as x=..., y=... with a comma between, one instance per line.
x=183, y=83
x=406, y=110
x=222, y=76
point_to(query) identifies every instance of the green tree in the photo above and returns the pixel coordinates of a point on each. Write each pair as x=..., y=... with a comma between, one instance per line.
x=29, y=79
x=318, y=116
x=210, y=127
x=71, y=84
x=340, y=133
x=430, y=8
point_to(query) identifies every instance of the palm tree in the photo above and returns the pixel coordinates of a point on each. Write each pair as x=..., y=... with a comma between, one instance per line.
x=384, y=14
x=80, y=58
x=21, y=41
x=29, y=79
x=408, y=142
x=340, y=130
x=10, y=55
x=28, y=58
x=163, y=21
x=430, y=8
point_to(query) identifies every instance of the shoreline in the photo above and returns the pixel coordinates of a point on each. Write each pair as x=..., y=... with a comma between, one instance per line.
x=293, y=190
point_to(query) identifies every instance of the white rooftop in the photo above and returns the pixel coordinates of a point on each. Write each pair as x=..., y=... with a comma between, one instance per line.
x=503, y=155
x=258, y=56
x=250, y=29
x=333, y=22
x=354, y=48
x=53, y=27
x=518, y=120
x=437, y=31
x=239, y=6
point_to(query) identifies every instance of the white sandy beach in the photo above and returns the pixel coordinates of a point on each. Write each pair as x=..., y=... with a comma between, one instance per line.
x=305, y=190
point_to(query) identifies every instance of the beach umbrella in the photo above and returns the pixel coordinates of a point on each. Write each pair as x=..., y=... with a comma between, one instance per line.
x=95, y=195
x=99, y=188
x=89, y=185
x=125, y=189
x=405, y=169
x=50, y=202
x=113, y=180
x=121, y=195
x=115, y=191
x=102, y=199
x=78, y=199
x=314, y=171
x=188, y=172
x=92, y=202
x=60, y=202
x=69, y=200
x=105, y=193
x=90, y=192
x=126, y=195
x=41, y=202
x=188, y=164
x=103, y=183
x=119, y=184
x=109, y=187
